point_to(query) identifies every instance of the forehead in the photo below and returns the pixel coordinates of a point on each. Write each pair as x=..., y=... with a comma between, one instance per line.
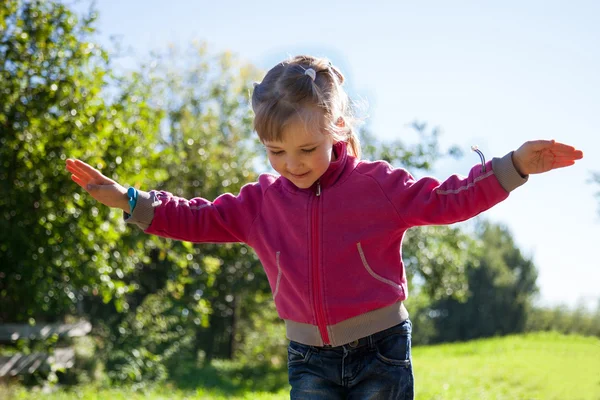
x=298, y=133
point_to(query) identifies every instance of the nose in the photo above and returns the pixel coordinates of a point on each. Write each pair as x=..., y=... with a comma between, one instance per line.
x=293, y=164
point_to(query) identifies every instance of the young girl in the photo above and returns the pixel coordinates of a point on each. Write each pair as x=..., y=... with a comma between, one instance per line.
x=329, y=229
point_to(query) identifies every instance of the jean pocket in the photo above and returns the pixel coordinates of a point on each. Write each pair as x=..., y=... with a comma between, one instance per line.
x=395, y=349
x=298, y=353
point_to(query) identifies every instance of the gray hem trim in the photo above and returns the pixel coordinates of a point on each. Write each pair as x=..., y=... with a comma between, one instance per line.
x=143, y=213
x=349, y=330
x=507, y=174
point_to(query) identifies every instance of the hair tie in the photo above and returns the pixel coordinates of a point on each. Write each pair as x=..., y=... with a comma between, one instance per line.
x=311, y=72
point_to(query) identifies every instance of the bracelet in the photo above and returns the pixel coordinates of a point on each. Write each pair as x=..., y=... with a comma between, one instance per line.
x=132, y=195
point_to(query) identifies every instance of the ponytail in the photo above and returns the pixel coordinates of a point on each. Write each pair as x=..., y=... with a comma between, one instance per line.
x=353, y=145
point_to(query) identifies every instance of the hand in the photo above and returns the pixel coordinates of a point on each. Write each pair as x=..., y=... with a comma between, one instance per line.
x=101, y=188
x=539, y=156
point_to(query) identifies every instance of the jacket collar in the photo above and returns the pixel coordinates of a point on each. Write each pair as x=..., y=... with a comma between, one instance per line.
x=335, y=167
x=332, y=174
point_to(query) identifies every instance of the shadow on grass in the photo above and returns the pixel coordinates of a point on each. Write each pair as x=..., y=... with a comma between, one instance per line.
x=231, y=378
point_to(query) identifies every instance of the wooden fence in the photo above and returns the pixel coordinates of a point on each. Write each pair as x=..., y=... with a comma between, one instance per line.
x=20, y=364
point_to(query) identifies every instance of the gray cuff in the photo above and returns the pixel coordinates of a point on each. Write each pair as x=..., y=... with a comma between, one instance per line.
x=507, y=174
x=143, y=213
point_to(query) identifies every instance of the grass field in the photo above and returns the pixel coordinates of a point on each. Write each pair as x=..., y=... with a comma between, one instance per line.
x=542, y=366
x=539, y=366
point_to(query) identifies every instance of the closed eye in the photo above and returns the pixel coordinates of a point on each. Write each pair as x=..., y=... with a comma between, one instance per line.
x=306, y=151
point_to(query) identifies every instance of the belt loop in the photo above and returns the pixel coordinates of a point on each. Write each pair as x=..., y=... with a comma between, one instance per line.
x=370, y=338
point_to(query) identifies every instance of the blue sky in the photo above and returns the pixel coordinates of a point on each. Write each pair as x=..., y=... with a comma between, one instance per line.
x=494, y=75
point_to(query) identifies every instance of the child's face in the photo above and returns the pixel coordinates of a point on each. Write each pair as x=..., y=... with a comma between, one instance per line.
x=302, y=156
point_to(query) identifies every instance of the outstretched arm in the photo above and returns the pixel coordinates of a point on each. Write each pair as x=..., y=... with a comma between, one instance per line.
x=427, y=201
x=538, y=156
x=228, y=218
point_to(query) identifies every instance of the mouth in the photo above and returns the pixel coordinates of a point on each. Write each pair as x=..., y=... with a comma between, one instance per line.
x=300, y=175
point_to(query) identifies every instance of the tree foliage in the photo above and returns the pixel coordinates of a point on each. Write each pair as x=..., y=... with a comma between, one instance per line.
x=501, y=287
x=55, y=245
x=187, y=131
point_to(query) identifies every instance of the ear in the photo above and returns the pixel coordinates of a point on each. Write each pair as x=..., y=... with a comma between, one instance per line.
x=340, y=123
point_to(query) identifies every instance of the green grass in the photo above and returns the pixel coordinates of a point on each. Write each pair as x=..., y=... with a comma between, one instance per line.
x=165, y=393
x=538, y=366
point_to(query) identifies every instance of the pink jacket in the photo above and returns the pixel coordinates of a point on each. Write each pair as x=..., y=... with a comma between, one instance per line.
x=332, y=253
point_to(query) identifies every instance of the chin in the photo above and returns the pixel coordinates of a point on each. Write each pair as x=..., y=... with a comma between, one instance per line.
x=303, y=185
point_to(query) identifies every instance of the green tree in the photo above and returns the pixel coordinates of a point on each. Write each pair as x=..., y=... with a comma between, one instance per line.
x=501, y=282
x=579, y=320
x=211, y=149
x=55, y=246
x=61, y=253
x=201, y=293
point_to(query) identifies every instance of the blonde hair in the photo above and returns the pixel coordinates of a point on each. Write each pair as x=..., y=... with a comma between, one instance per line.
x=287, y=94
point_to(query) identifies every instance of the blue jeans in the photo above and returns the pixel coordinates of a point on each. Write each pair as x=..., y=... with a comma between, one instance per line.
x=374, y=367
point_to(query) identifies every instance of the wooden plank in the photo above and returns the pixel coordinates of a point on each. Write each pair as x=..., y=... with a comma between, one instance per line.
x=14, y=332
x=19, y=364
x=8, y=364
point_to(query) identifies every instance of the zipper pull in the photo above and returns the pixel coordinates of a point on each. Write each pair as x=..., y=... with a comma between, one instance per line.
x=481, y=156
x=318, y=191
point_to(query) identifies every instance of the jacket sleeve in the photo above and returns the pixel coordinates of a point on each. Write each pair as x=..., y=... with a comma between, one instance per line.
x=428, y=201
x=228, y=218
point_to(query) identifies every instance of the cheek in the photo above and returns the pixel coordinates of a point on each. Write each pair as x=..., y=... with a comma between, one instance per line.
x=324, y=157
x=274, y=162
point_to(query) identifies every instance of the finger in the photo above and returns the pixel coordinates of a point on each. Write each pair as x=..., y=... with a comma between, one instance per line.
x=78, y=181
x=74, y=169
x=71, y=163
x=561, y=158
x=557, y=146
x=562, y=164
x=92, y=172
x=83, y=179
x=562, y=149
x=575, y=154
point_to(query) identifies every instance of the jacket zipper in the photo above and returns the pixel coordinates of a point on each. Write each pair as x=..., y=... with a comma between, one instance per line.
x=317, y=298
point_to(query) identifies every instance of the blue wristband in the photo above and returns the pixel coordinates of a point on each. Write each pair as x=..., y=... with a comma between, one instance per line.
x=132, y=195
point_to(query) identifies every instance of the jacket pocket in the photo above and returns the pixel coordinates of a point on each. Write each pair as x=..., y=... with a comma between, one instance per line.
x=278, y=275
x=373, y=273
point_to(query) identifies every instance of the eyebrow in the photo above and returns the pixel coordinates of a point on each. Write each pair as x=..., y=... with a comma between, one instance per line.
x=304, y=145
